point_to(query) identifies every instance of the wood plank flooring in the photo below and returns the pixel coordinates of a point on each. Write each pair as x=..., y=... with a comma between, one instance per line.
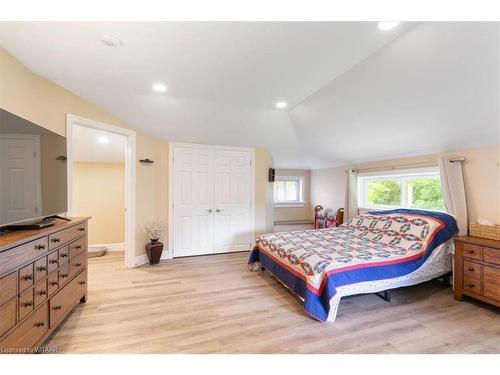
x=213, y=304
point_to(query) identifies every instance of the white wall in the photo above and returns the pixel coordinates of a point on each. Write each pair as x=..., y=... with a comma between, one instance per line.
x=434, y=89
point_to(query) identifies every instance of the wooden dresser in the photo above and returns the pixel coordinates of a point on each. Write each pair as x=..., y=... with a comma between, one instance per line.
x=43, y=276
x=477, y=269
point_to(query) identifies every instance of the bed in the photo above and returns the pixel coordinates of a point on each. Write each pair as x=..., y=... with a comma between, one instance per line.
x=370, y=253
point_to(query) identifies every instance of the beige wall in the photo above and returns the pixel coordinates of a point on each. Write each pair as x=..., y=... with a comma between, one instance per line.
x=43, y=102
x=295, y=213
x=481, y=175
x=99, y=192
x=264, y=221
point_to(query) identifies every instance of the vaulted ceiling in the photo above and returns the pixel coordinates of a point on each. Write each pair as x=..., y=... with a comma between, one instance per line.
x=353, y=91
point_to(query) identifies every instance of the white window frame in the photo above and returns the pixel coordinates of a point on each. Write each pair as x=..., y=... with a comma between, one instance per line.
x=364, y=178
x=294, y=203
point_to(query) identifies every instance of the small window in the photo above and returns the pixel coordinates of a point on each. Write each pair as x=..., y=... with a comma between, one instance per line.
x=420, y=189
x=289, y=191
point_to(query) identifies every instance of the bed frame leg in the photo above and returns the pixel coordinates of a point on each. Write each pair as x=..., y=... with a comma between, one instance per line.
x=446, y=279
x=386, y=296
x=262, y=268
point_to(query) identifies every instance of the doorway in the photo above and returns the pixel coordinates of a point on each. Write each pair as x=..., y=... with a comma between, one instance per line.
x=101, y=168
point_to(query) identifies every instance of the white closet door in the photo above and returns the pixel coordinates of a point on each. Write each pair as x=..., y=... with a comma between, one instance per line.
x=232, y=201
x=19, y=183
x=193, y=201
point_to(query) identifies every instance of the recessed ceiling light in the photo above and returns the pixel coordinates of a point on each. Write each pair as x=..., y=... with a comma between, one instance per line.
x=386, y=25
x=159, y=87
x=281, y=105
x=104, y=140
x=111, y=40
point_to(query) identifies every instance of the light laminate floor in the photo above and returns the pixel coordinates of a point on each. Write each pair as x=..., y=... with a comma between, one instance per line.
x=213, y=304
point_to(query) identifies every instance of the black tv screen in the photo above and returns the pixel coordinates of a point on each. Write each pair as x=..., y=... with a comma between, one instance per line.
x=33, y=176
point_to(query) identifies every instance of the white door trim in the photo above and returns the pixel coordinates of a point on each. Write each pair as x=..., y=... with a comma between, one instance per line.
x=130, y=180
x=171, y=147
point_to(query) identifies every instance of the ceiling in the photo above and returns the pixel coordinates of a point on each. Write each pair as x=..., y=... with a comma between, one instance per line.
x=223, y=78
x=92, y=145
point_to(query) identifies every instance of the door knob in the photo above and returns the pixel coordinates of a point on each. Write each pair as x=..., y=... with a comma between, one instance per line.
x=217, y=210
x=210, y=210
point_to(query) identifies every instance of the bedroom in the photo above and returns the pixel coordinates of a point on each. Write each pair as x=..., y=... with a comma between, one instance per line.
x=224, y=158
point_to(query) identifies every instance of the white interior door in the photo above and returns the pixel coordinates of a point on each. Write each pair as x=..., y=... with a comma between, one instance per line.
x=20, y=185
x=193, y=201
x=232, y=200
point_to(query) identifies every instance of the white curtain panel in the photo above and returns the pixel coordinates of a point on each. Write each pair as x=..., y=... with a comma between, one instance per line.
x=452, y=184
x=351, y=194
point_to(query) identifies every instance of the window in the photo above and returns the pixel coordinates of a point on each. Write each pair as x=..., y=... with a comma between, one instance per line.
x=419, y=188
x=289, y=191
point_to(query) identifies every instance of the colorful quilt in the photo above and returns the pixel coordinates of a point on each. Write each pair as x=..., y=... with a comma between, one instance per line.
x=379, y=245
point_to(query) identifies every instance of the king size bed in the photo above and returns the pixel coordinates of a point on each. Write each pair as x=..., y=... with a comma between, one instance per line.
x=370, y=253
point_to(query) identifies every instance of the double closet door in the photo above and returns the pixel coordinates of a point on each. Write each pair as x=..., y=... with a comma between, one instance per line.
x=212, y=200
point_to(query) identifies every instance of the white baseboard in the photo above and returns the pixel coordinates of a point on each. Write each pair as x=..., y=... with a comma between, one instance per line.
x=112, y=247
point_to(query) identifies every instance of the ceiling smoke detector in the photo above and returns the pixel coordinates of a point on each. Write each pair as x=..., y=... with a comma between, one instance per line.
x=111, y=40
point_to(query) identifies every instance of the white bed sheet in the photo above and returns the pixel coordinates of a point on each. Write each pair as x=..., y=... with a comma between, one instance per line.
x=438, y=264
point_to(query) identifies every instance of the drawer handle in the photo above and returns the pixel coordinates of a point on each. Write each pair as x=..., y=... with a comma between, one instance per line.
x=54, y=283
x=83, y=282
x=39, y=324
x=64, y=275
x=470, y=251
x=42, y=292
x=58, y=307
x=42, y=269
x=470, y=269
x=78, y=247
x=28, y=304
x=81, y=229
x=470, y=285
x=28, y=277
x=64, y=255
x=39, y=247
x=53, y=261
x=78, y=265
x=55, y=240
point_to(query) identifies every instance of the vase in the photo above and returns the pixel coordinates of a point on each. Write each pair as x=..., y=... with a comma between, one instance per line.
x=154, y=250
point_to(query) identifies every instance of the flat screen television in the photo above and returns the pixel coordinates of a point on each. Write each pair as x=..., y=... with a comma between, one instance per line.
x=33, y=175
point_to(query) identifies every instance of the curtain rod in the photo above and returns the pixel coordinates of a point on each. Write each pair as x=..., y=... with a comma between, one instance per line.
x=406, y=166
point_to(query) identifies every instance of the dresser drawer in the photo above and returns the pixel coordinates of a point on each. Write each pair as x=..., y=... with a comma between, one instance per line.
x=8, y=288
x=472, y=270
x=8, y=316
x=67, y=235
x=52, y=261
x=26, y=277
x=63, y=274
x=26, y=303
x=40, y=292
x=77, y=247
x=472, y=285
x=53, y=283
x=491, y=255
x=66, y=299
x=472, y=251
x=29, y=332
x=40, y=268
x=63, y=255
x=76, y=265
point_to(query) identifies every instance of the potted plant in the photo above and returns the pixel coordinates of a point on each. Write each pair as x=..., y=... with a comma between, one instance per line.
x=154, y=248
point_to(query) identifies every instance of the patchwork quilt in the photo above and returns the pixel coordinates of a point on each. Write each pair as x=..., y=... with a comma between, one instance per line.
x=375, y=246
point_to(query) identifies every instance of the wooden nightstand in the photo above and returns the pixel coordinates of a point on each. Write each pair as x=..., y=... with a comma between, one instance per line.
x=477, y=269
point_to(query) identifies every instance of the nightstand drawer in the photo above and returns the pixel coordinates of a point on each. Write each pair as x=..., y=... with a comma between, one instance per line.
x=472, y=251
x=472, y=285
x=491, y=255
x=26, y=277
x=26, y=303
x=472, y=270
